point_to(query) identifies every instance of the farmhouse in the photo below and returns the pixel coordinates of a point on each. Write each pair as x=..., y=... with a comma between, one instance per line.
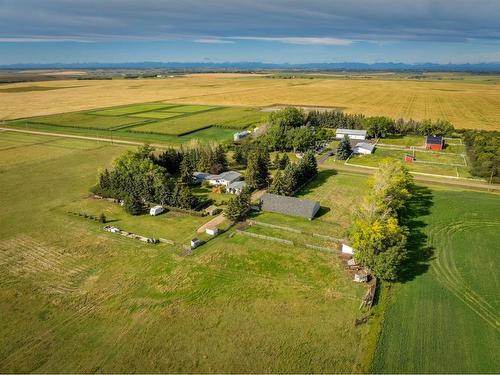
x=363, y=148
x=156, y=210
x=240, y=135
x=351, y=133
x=290, y=205
x=224, y=179
x=236, y=187
x=434, y=143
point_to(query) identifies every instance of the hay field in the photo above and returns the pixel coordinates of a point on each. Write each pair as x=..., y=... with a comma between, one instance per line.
x=445, y=319
x=74, y=299
x=467, y=104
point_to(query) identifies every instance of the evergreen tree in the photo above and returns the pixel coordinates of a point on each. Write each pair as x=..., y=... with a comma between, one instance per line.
x=257, y=172
x=238, y=206
x=309, y=165
x=290, y=180
x=102, y=218
x=186, y=199
x=344, y=148
x=186, y=172
x=278, y=184
x=133, y=205
x=284, y=161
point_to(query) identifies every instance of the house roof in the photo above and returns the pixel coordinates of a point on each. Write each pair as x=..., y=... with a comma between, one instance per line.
x=244, y=132
x=289, y=205
x=352, y=131
x=228, y=176
x=237, y=185
x=431, y=140
x=200, y=175
x=366, y=146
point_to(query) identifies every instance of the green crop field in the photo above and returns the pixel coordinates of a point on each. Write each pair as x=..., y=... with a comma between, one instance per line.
x=84, y=120
x=131, y=109
x=156, y=115
x=74, y=298
x=234, y=118
x=445, y=319
x=188, y=108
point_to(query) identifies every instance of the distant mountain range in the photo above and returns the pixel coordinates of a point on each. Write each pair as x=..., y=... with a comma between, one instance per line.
x=256, y=66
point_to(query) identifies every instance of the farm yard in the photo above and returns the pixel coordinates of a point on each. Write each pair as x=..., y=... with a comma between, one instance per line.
x=470, y=101
x=77, y=299
x=447, y=318
x=161, y=122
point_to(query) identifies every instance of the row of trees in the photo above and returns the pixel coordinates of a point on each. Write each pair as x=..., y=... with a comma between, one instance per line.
x=137, y=177
x=376, y=126
x=293, y=175
x=483, y=149
x=377, y=235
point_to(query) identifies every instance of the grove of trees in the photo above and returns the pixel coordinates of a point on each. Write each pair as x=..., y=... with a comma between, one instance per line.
x=483, y=149
x=377, y=235
x=288, y=180
x=139, y=177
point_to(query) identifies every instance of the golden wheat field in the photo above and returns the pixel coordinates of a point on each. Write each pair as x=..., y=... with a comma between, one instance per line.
x=466, y=104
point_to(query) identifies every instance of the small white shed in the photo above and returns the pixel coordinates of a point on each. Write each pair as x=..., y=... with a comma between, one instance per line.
x=346, y=249
x=212, y=231
x=195, y=242
x=156, y=210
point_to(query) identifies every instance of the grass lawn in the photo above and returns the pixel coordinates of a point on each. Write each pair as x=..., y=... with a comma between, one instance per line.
x=213, y=134
x=74, y=298
x=446, y=319
x=85, y=120
x=187, y=108
x=407, y=140
x=426, y=161
x=338, y=194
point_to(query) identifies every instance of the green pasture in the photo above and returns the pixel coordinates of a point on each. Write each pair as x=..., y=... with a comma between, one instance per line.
x=74, y=298
x=188, y=108
x=156, y=115
x=445, y=317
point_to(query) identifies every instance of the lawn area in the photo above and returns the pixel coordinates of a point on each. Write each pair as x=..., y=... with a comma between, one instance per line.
x=213, y=134
x=446, y=319
x=338, y=194
x=74, y=298
x=407, y=140
x=233, y=118
x=440, y=163
x=156, y=115
x=85, y=120
x=187, y=108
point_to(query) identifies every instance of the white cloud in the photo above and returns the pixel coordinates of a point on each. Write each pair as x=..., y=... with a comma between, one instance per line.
x=299, y=40
x=213, y=41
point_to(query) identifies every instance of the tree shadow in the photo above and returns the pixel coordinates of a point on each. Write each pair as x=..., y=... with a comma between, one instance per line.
x=419, y=252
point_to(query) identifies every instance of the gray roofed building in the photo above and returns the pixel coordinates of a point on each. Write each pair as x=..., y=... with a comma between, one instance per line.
x=290, y=205
x=351, y=133
x=363, y=148
x=236, y=187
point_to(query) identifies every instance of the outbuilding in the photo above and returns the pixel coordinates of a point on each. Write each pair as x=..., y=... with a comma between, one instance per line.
x=363, y=148
x=212, y=210
x=290, y=205
x=434, y=143
x=351, y=133
x=361, y=277
x=346, y=249
x=212, y=231
x=156, y=210
x=240, y=135
x=195, y=242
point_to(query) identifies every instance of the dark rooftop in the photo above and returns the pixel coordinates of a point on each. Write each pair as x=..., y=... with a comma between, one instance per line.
x=289, y=205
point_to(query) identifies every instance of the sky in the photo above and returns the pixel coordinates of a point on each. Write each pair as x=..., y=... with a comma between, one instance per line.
x=273, y=31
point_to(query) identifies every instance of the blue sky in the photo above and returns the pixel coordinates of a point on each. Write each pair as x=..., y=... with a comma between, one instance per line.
x=279, y=31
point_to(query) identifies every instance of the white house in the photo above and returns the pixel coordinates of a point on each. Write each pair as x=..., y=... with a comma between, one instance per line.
x=236, y=187
x=351, y=133
x=346, y=249
x=223, y=179
x=241, y=135
x=156, y=210
x=363, y=148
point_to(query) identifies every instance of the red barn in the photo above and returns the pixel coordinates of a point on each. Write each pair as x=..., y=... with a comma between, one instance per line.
x=434, y=143
x=409, y=158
